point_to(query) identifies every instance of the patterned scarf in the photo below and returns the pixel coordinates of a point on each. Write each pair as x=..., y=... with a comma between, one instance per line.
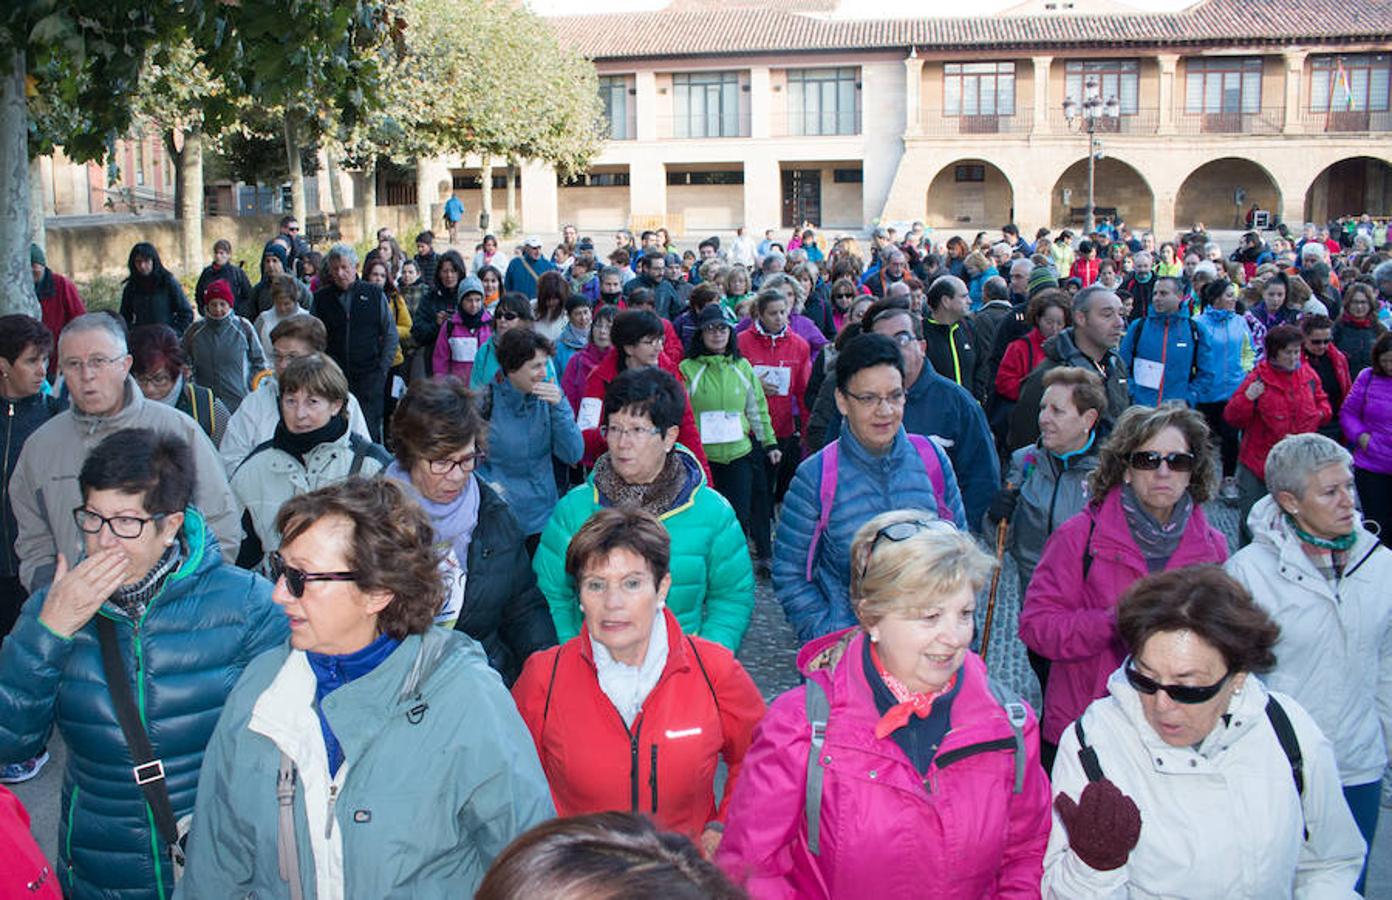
x=910, y=703
x=1329, y=557
x=656, y=498
x=1157, y=541
x=133, y=599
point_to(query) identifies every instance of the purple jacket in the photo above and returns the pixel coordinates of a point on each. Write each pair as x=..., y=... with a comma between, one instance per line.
x=1072, y=620
x=1368, y=410
x=886, y=831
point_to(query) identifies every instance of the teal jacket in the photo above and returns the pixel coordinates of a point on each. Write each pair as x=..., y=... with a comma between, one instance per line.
x=440, y=774
x=524, y=434
x=726, y=384
x=712, y=593
x=197, y=635
x=486, y=369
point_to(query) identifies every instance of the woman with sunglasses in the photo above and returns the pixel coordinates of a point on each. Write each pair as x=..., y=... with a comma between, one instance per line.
x=490, y=592
x=312, y=447
x=1324, y=578
x=1190, y=778
x=1143, y=516
x=371, y=755
x=513, y=311
x=183, y=625
x=921, y=775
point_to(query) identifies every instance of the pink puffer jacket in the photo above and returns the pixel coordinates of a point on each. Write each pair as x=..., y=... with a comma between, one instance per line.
x=1072, y=620
x=886, y=831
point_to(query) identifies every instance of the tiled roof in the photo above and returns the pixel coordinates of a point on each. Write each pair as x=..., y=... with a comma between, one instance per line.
x=699, y=30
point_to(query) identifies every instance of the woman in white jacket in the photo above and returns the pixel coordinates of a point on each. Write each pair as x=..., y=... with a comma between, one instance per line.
x=1191, y=779
x=1325, y=580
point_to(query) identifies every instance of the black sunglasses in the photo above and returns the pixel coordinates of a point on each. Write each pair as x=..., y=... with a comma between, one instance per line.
x=296, y=579
x=508, y=316
x=896, y=532
x=1149, y=461
x=1179, y=693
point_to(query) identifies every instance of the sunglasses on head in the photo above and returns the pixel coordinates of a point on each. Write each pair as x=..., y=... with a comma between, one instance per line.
x=896, y=532
x=296, y=579
x=1179, y=693
x=1149, y=461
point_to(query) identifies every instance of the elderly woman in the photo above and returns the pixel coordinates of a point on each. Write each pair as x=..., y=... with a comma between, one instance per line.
x=1190, y=778
x=683, y=702
x=284, y=293
x=367, y=703
x=1324, y=579
x=529, y=425
x=1144, y=515
x=874, y=466
x=1366, y=418
x=160, y=367
x=899, y=764
x=312, y=447
x=490, y=592
x=712, y=592
x=1282, y=395
x=153, y=593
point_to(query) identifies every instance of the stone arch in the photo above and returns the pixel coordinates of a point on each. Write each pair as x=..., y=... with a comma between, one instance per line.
x=1119, y=186
x=1350, y=186
x=1209, y=193
x=969, y=193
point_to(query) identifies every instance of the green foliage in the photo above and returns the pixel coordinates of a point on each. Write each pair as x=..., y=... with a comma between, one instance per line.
x=102, y=292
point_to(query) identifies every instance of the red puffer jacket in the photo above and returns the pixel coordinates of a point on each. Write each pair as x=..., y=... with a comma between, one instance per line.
x=784, y=351
x=1293, y=403
x=703, y=708
x=24, y=872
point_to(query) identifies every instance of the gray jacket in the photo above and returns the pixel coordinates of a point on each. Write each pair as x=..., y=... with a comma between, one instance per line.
x=225, y=354
x=1052, y=490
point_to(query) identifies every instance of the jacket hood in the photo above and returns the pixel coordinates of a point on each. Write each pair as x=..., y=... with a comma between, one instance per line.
x=1061, y=348
x=1246, y=710
x=1267, y=522
x=822, y=654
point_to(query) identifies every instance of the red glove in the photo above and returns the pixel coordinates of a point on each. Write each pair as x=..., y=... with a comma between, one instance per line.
x=1103, y=826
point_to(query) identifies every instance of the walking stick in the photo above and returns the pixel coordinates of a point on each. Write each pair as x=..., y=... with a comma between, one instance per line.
x=1001, y=528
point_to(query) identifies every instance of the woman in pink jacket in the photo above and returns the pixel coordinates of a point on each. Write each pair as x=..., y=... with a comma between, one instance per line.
x=1366, y=418
x=899, y=769
x=1154, y=472
x=463, y=333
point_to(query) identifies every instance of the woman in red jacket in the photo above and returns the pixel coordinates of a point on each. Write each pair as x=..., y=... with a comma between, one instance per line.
x=632, y=714
x=1047, y=315
x=1282, y=395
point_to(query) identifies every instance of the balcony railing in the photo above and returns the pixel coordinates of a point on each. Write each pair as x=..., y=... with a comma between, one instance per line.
x=707, y=127
x=811, y=124
x=935, y=124
x=1265, y=121
x=1142, y=121
x=621, y=128
x=1344, y=121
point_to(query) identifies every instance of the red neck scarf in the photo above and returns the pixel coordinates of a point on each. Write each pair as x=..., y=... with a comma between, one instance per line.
x=910, y=703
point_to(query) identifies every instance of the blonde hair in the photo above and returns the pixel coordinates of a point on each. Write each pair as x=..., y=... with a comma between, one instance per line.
x=905, y=576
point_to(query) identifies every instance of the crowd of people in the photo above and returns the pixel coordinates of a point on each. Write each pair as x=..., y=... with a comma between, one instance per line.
x=429, y=574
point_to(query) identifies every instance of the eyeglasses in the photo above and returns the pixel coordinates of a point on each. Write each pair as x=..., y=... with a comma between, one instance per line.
x=842, y=296
x=896, y=532
x=296, y=579
x=508, y=316
x=894, y=399
x=464, y=464
x=1179, y=693
x=286, y=358
x=154, y=379
x=128, y=527
x=1319, y=342
x=652, y=341
x=95, y=363
x=1149, y=461
x=617, y=434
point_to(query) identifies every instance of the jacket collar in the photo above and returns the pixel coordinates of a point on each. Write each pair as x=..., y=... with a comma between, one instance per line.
x=676, y=646
x=132, y=400
x=1246, y=709
x=1269, y=529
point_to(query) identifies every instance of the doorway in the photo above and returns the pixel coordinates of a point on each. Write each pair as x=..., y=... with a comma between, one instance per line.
x=802, y=197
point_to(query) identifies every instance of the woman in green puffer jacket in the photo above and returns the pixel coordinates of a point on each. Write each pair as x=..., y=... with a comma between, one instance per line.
x=185, y=626
x=728, y=404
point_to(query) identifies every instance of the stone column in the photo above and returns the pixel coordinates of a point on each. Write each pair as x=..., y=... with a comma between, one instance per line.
x=1167, y=62
x=760, y=102
x=913, y=94
x=647, y=187
x=645, y=109
x=1295, y=75
x=1041, y=95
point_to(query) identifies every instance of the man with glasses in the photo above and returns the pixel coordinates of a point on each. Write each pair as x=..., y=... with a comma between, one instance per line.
x=296, y=247
x=95, y=365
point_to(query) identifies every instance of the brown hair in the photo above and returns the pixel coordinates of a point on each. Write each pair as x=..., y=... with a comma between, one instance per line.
x=1086, y=387
x=1208, y=602
x=392, y=548
x=603, y=856
x=519, y=346
x=619, y=529
x=317, y=375
x=1138, y=425
x=284, y=287
x=1045, y=299
x=437, y=417
x=302, y=328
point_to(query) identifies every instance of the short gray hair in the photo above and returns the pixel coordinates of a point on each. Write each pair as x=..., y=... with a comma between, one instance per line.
x=606, y=271
x=1382, y=271
x=771, y=257
x=1138, y=258
x=108, y=324
x=340, y=251
x=1206, y=268
x=995, y=288
x=786, y=284
x=1001, y=247
x=1022, y=264
x=1296, y=457
x=1314, y=248
x=1082, y=301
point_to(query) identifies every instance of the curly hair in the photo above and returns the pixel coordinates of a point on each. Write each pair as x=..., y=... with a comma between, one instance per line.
x=392, y=548
x=1140, y=424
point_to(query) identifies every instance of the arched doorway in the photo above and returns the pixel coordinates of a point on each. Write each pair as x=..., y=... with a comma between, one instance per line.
x=969, y=194
x=1121, y=191
x=1350, y=187
x=1220, y=192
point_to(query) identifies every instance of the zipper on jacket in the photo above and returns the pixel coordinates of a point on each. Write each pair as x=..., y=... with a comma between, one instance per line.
x=652, y=779
x=633, y=770
x=328, y=823
x=9, y=431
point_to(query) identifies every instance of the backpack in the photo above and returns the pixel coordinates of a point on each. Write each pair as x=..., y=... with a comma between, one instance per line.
x=205, y=415
x=1193, y=336
x=819, y=710
x=830, y=455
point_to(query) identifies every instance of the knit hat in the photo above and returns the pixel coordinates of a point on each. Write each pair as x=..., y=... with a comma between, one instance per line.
x=217, y=289
x=276, y=249
x=36, y=256
x=1041, y=278
x=712, y=314
x=471, y=285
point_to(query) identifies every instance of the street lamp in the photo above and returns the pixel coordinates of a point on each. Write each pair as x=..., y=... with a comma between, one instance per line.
x=1085, y=116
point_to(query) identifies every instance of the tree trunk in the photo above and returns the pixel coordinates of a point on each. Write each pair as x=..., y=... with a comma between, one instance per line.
x=368, y=201
x=292, y=156
x=190, y=201
x=37, y=200
x=486, y=180
x=424, y=191
x=16, y=280
x=512, y=191
x=335, y=186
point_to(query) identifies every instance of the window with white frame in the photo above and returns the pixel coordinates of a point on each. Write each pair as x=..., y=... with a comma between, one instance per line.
x=823, y=101
x=1356, y=82
x=1119, y=78
x=1223, y=85
x=707, y=104
x=979, y=89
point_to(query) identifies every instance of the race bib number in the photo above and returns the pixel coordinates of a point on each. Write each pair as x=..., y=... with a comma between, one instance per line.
x=720, y=427
x=463, y=349
x=590, y=408
x=778, y=378
x=455, y=578
x=1148, y=373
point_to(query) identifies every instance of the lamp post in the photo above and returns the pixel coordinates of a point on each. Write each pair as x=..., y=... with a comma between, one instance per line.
x=1085, y=116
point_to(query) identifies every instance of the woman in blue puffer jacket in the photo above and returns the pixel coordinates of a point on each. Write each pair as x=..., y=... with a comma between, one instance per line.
x=185, y=625
x=1233, y=355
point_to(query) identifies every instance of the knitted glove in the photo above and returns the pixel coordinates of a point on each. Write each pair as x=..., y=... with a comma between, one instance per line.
x=1003, y=506
x=1103, y=826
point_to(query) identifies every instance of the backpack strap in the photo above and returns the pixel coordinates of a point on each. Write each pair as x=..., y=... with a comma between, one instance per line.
x=1017, y=715
x=363, y=448
x=826, y=493
x=550, y=687
x=1086, y=754
x=927, y=452
x=818, y=711
x=1285, y=733
x=1087, y=548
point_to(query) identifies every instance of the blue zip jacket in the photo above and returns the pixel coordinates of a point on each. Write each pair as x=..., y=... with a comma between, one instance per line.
x=524, y=433
x=184, y=655
x=1175, y=341
x=1234, y=354
x=866, y=485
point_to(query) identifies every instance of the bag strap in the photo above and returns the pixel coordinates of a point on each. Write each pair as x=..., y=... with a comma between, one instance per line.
x=929, y=454
x=287, y=849
x=1290, y=744
x=1086, y=754
x=818, y=711
x=1087, y=548
x=363, y=448
x=550, y=688
x=1016, y=714
x=147, y=771
x=825, y=494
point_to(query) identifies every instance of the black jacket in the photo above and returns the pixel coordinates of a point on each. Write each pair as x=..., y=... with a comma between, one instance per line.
x=1060, y=350
x=235, y=278
x=953, y=352
x=22, y=418
x=362, y=334
x=503, y=609
x=166, y=304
